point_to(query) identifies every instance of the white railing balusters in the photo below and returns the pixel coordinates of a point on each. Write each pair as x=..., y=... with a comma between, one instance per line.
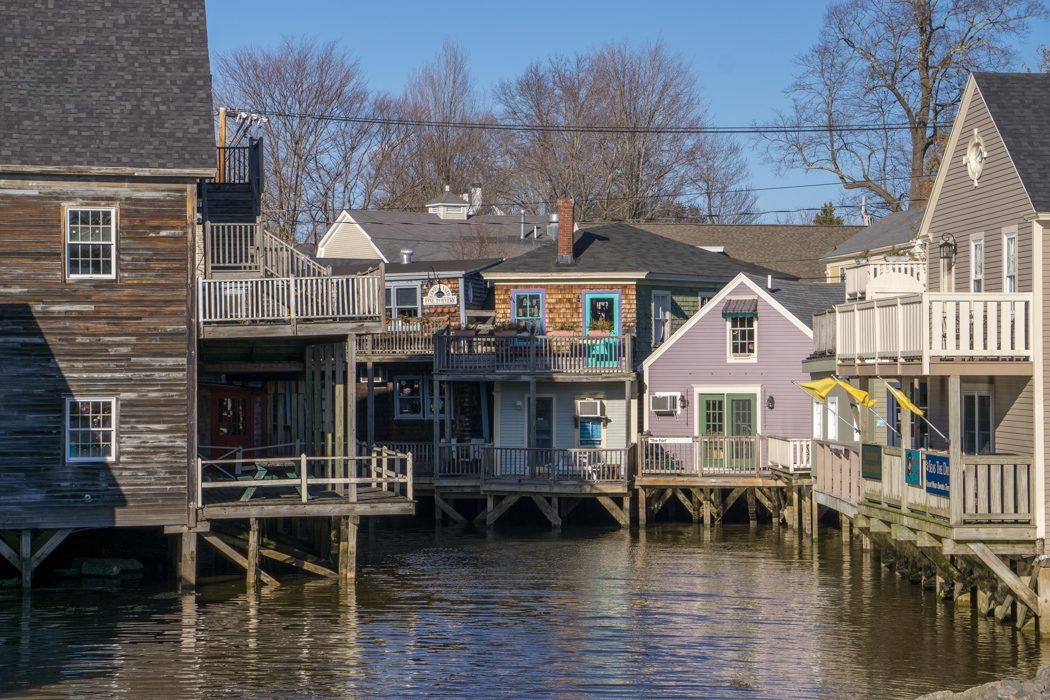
x=290, y=299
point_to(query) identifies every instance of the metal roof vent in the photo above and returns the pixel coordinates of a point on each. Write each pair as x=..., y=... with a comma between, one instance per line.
x=406, y=256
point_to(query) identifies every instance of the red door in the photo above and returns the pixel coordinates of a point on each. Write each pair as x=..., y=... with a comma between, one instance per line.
x=233, y=419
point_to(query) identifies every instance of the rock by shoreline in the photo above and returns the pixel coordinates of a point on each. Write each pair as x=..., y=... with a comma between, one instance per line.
x=1038, y=687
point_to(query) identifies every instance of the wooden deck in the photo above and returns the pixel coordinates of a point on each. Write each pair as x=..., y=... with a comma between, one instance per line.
x=369, y=501
x=524, y=357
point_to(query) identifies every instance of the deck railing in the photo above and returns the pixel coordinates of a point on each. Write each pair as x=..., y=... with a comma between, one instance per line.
x=858, y=278
x=931, y=326
x=422, y=453
x=709, y=455
x=524, y=354
x=824, y=333
x=397, y=339
x=465, y=460
x=246, y=248
x=309, y=478
x=789, y=454
x=233, y=164
x=542, y=464
x=290, y=299
x=282, y=260
x=984, y=489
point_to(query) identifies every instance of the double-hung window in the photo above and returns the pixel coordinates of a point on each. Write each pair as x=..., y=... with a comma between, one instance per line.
x=91, y=429
x=527, y=308
x=408, y=398
x=91, y=243
x=977, y=265
x=401, y=301
x=661, y=317
x=742, y=337
x=1010, y=262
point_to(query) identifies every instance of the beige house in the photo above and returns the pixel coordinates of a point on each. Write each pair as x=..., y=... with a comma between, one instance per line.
x=889, y=248
x=962, y=490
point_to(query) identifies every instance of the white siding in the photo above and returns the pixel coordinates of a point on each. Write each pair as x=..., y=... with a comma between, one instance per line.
x=510, y=426
x=349, y=241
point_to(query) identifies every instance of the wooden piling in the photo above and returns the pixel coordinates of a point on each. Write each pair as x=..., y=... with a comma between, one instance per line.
x=752, y=508
x=253, y=555
x=187, y=561
x=25, y=553
x=347, y=549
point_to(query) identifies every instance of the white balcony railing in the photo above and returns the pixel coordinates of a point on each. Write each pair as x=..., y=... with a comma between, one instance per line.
x=858, y=278
x=929, y=326
x=789, y=454
x=290, y=299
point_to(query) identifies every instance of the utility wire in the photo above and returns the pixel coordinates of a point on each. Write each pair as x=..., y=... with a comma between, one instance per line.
x=575, y=128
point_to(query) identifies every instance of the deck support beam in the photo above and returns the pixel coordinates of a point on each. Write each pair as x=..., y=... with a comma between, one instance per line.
x=442, y=506
x=691, y=501
x=26, y=560
x=661, y=500
x=614, y=509
x=291, y=557
x=187, y=561
x=497, y=509
x=549, y=509
x=236, y=557
x=732, y=498
x=1019, y=588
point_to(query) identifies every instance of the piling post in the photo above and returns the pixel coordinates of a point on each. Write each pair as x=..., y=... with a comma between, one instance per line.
x=347, y=549
x=25, y=555
x=708, y=515
x=187, y=561
x=844, y=526
x=643, y=507
x=253, y=555
x=792, y=509
x=752, y=508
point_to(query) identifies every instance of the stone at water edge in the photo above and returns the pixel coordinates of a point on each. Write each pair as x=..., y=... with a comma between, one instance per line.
x=99, y=567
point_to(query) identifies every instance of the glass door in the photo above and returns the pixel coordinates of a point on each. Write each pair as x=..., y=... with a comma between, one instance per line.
x=727, y=431
x=977, y=424
x=712, y=426
x=741, y=442
x=601, y=317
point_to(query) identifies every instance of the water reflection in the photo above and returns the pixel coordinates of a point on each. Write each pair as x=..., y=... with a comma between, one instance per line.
x=738, y=612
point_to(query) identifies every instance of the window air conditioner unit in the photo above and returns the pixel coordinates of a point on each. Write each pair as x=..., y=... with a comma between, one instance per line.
x=664, y=404
x=589, y=408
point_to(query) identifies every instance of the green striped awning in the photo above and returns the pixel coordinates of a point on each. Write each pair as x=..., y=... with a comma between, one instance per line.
x=740, y=308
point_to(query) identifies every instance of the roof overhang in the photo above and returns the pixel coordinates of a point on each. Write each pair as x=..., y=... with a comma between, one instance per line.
x=565, y=277
x=80, y=170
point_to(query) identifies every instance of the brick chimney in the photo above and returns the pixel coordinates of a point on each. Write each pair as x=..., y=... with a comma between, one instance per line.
x=566, y=224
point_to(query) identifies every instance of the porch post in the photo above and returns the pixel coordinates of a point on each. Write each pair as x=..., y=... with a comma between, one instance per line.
x=531, y=417
x=437, y=430
x=187, y=561
x=906, y=444
x=955, y=465
x=371, y=403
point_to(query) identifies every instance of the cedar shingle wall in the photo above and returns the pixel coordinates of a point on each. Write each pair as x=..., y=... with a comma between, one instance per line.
x=126, y=338
x=565, y=303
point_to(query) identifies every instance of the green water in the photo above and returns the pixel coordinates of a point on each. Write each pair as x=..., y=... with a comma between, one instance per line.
x=669, y=612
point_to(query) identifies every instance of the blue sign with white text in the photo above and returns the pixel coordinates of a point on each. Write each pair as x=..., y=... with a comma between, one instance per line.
x=938, y=475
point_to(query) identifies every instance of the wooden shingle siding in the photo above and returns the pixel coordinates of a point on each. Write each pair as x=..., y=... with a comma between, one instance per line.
x=128, y=338
x=964, y=210
x=565, y=302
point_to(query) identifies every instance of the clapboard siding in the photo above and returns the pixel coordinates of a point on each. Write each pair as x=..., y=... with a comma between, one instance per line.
x=697, y=360
x=1012, y=411
x=128, y=338
x=512, y=402
x=349, y=240
x=966, y=211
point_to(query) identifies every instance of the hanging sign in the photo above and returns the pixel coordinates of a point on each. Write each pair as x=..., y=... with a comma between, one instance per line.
x=871, y=462
x=938, y=475
x=913, y=468
x=440, y=295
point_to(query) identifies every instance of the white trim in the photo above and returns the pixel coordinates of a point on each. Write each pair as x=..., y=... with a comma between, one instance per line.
x=418, y=286
x=981, y=389
x=832, y=417
x=345, y=218
x=1009, y=232
x=652, y=316
x=731, y=287
x=115, y=430
x=976, y=239
x=1039, y=390
x=66, y=243
x=741, y=359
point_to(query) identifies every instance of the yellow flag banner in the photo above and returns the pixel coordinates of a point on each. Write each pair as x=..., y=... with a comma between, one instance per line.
x=903, y=401
x=819, y=388
x=859, y=395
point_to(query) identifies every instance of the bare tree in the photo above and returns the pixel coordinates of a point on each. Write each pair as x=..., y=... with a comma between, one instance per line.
x=636, y=170
x=429, y=157
x=314, y=168
x=887, y=64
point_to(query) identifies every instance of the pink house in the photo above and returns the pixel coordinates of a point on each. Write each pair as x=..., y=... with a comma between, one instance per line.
x=719, y=394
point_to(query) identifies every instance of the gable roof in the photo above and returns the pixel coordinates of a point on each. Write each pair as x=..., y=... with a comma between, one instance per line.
x=626, y=249
x=447, y=197
x=1019, y=104
x=100, y=84
x=794, y=250
x=796, y=301
x=891, y=230
x=432, y=238
x=440, y=268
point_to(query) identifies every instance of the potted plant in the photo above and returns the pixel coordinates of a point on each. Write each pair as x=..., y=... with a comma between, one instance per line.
x=508, y=329
x=600, y=328
x=465, y=332
x=563, y=330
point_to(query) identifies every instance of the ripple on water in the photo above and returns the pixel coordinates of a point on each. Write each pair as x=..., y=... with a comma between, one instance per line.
x=737, y=613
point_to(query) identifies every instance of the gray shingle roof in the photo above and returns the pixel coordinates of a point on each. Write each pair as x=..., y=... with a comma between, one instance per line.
x=1020, y=104
x=791, y=249
x=452, y=267
x=447, y=198
x=623, y=248
x=890, y=230
x=803, y=299
x=98, y=83
x=432, y=238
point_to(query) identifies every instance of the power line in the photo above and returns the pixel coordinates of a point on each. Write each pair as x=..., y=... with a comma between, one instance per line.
x=578, y=128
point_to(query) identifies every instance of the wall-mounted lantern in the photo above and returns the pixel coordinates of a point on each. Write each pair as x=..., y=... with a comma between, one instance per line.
x=947, y=247
x=683, y=402
x=771, y=403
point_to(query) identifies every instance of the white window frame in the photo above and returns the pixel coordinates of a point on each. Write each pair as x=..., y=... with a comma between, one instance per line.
x=974, y=392
x=67, y=243
x=977, y=264
x=114, y=430
x=702, y=298
x=833, y=418
x=422, y=397
x=730, y=357
x=1010, y=234
x=818, y=420
x=665, y=320
x=393, y=299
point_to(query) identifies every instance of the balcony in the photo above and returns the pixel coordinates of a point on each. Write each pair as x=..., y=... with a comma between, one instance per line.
x=398, y=341
x=985, y=497
x=926, y=330
x=530, y=356
x=860, y=277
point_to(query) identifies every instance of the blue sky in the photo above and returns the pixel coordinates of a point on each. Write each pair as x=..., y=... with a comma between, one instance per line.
x=741, y=51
